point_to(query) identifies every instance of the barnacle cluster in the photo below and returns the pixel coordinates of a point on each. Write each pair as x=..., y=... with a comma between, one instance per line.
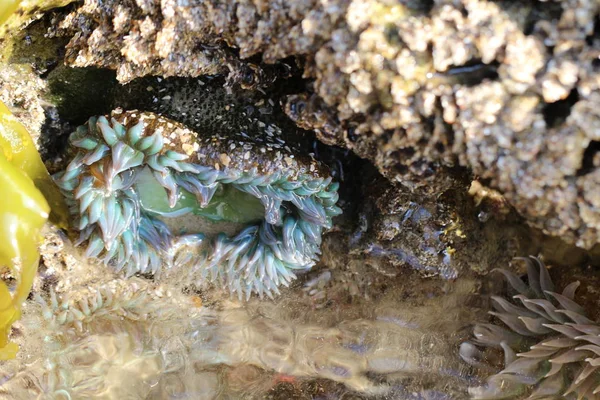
x=551, y=349
x=117, y=157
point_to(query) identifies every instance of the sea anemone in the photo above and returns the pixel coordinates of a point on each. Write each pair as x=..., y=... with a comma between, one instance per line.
x=115, y=302
x=111, y=339
x=551, y=349
x=134, y=171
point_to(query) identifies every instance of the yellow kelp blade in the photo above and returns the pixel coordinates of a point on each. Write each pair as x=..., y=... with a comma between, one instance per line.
x=7, y=7
x=20, y=150
x=23, y=212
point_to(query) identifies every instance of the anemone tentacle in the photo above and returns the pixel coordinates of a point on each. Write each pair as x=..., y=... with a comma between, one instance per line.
x=551, y=349
x=99, y=184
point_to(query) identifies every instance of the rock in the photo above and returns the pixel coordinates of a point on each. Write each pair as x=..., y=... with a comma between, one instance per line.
x=414, y=87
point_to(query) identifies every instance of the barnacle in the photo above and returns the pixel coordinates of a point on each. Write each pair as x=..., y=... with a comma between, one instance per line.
x=551, y=349
x=133, y=172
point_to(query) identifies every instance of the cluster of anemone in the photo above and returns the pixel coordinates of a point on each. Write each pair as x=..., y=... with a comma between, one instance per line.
x=551, y=349
x=115, y=301
x=112, y=153
x=98, y=338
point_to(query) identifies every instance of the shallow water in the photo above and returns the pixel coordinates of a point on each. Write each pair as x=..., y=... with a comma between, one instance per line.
x=144, y=339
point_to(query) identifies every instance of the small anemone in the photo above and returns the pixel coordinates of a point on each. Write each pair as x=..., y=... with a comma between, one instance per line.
x=551, y=349
x=118, y=301
x=101, y=341
x=107, y=189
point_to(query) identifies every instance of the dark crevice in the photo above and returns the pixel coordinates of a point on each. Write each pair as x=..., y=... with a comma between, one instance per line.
x=72, y=97
x=542, y=10
x=77, y=94
x=401, y=169
x=440, y=148
x=404, y=153
x=473, y=73
x=591, y=157
x=556, y=113
x=392, y=35
x=449, y=134
x=351, y=134
x=426, y=6
x=595, y=36
x=423, y=7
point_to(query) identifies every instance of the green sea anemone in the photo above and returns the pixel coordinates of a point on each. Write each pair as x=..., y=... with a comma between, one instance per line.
x=109, y=339
x=135, y=174
x=551, y=349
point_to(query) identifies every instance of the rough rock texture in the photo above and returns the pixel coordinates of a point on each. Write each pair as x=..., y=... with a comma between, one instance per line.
x=446, y=234
x=19, y=91
x=172, y=38
x=465, y=85
x=506, y=89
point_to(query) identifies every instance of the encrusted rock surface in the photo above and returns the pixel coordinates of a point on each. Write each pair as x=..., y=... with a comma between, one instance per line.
x=506, y=89
x=464, y=85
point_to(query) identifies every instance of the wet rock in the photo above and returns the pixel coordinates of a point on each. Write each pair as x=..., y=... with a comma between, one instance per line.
x=414, y=87
x=170, y=38
x=441, y=234
x=487, y=96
